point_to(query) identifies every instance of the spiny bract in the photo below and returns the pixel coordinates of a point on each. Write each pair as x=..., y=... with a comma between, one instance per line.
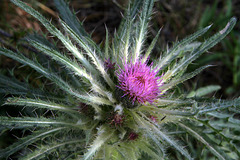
x=109, y=103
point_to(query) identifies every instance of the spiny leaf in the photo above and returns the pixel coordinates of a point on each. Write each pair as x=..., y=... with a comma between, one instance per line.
x=146, y=148
x=209, y=146
x=106, y=46
x=215, y=128
x=41, y=152
x=43, y=39
x=224, y=125
x=4, y=80
x=23, y=122
x=150, y=48
x=35, y=136
x=204, y=91
x=73, y=22
x=52, y=76
x=126, y=41
x=170, y=111
x=207, y=44
x=178, y=47
x=183, y=78
x=37, y=103
x=218, y=105
x=219, y=115
x=91, y=53
x=166, y=101
x=73, y=66
x=15, y=87
x=161, y=136
x=128, y=152
x=142, y=28
x=60, y=57
x=54, y=31
x=104, y=133
x=130, y=12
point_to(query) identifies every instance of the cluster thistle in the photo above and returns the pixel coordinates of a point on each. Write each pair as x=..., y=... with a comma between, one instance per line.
x=109, y=103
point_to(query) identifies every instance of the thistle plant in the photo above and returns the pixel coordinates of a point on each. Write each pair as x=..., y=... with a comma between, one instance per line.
x=116, y=101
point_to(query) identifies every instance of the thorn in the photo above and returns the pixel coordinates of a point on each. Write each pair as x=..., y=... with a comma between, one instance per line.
x=36, y=114
x=11, y=128
x=8, y=115
x=15, y=136
x=20, y=113
x=31, y=149
x=53, y=114
x=34, y=145
x=45, y=112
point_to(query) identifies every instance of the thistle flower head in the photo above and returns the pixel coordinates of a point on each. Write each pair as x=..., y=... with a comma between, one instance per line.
x=139, y=82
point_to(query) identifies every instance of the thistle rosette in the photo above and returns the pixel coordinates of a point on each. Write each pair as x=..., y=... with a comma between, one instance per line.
x=86, y=112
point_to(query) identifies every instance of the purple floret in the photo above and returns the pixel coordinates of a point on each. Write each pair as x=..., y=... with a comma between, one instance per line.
x=109, y=64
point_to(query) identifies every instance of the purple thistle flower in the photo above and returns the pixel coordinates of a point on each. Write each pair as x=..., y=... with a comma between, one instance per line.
x=139, y=82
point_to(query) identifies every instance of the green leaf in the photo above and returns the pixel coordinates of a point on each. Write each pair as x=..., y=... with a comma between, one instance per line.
x=37, y=103
x=219, y=115
x=180, y=47
x=70, y=18
x=130, y=13
x=91, y=53
x=106, y=46
x=96, y=86
x=23, y=122
x=183, y=78
x=15, y=87
x=41, y=39
x=54, y=31
x=150, y=48
x=52, y=76
x=201, y=139
x=204, y=91
x=23, y=142
x=61, y=58
x=126, y=41
x=166, y=102
x=218, y=128
x=104, y=133
x=146, y=148
x=72, y=21
x=141, y=33
x=47, y=149
x=170, y=111
x=160, y=135
x=207, y=44
x=218, y=105
x=46, y=62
